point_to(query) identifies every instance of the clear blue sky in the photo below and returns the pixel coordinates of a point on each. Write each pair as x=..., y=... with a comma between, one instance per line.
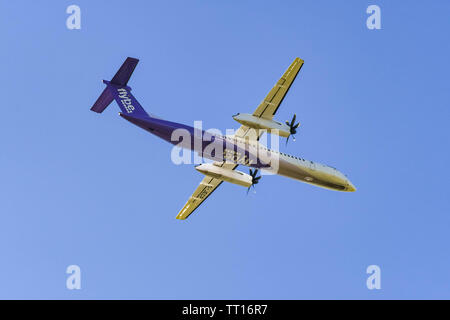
x=93, y=190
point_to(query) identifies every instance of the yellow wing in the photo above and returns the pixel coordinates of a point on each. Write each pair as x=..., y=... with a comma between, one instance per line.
x=267, y=109
x=203, y=191
x=272, y=101
x=269, y=106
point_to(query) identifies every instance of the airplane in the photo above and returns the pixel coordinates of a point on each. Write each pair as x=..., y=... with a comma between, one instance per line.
x=242, y=148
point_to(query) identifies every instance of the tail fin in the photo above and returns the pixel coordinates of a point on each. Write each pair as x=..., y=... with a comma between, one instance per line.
x=117, y=89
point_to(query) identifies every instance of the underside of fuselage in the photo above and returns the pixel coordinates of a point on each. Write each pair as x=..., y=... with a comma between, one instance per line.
x=250, y=154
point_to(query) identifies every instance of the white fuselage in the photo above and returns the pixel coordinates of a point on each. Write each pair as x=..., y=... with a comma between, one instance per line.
x=313, y=173
x=279, y=163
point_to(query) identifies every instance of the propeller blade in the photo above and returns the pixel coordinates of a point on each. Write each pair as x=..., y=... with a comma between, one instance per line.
x=292, y=127
x=255, y=179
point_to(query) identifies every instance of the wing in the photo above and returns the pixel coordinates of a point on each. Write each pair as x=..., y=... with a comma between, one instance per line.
x=203, y=191
x=267, y=109
x=269, y=106
x=272, y=101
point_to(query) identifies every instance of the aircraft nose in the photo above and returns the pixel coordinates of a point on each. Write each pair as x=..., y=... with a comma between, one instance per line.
x=350, y=187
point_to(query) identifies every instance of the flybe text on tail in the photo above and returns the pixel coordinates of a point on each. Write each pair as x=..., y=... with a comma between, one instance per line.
x=125, y=100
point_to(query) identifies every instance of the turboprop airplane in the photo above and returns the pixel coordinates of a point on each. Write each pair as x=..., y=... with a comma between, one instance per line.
x=227, y=152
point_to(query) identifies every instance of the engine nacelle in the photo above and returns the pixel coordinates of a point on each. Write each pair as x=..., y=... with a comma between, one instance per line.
x=260, y=123
x=233, y=176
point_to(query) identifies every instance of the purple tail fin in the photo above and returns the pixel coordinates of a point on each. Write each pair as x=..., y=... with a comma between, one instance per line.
x=117, y=89
x=126, y=101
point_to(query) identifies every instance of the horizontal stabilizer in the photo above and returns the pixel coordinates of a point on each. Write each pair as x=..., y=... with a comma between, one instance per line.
x=103, y=101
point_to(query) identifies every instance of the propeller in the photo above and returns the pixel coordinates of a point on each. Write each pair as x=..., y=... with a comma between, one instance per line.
x=255, y=179
x=292, y=127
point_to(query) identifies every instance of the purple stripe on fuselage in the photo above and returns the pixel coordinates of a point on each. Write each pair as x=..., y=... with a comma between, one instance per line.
x=199, y=141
